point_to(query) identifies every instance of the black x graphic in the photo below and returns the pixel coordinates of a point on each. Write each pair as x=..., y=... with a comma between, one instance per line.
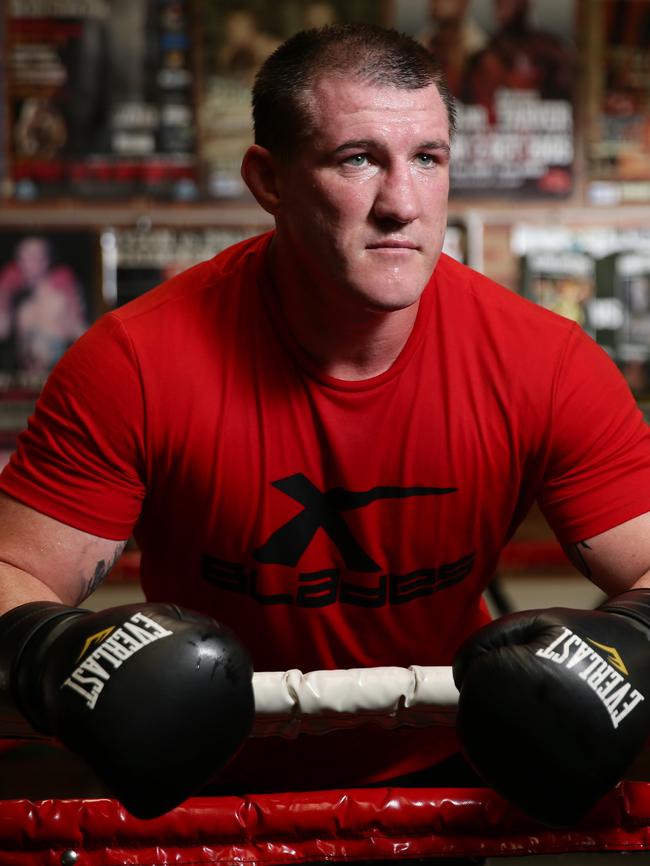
x=323, y=511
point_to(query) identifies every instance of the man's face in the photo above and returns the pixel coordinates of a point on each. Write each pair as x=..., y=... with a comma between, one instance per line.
x=448, y=10
x=506, y=10
x=363, y=202
x=33, y=258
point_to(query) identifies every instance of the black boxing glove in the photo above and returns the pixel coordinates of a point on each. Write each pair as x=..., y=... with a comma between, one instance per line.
x=554, y=704
x=156, y=699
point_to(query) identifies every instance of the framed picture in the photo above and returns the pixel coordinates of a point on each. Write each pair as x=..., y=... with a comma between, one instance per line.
x=136, y=260
x=49, y=295
x=512, y=68
x=627, y=273
x=140, y=259
x=3, y=110
x=608, y=274
x=100, y=99
x=632, y=286
x=237, y=38
x=563, y=281
x=618, y=101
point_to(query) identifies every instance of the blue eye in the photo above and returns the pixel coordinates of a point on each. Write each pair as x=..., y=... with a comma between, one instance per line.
x=425, y=159
x=357, y=159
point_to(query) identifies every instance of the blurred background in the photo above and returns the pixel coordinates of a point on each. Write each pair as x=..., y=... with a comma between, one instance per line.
x=122, y=124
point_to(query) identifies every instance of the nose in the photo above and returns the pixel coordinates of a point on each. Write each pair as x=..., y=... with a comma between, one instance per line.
x=396, y=198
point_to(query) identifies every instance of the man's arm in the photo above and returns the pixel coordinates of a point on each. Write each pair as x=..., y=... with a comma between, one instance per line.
x=618, y=559
x=42, y=559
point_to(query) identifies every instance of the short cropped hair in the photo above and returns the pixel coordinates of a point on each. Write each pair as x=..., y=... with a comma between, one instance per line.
x=362, y=52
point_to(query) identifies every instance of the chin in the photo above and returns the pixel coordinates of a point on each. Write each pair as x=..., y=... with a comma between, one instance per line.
x=390, y=298
x=389, y=302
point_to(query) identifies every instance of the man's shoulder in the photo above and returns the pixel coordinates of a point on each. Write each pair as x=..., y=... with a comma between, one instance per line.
x=204, y=285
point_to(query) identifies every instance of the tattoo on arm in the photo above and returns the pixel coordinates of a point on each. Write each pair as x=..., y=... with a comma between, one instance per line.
x=101, y=570
x=578, y=557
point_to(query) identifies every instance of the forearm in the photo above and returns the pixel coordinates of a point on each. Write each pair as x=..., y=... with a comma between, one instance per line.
x=18, y=587
x=643, y=582
x=618, y=559
x=42, y=559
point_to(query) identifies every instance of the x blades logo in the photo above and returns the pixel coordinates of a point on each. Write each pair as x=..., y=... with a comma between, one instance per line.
x=322, y=510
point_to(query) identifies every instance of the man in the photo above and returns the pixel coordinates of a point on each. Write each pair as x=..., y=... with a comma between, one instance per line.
x=324, y=436
x=41, y=308
x=519, y=56
x=453, y=35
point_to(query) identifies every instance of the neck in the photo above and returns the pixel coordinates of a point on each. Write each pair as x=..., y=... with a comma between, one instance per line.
x=346, y=340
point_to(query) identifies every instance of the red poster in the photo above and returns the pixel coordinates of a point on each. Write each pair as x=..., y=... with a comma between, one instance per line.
x=618, y=128
x=512, y=68
x=100, y=99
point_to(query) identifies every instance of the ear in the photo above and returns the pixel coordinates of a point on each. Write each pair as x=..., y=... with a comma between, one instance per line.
x=260, y=172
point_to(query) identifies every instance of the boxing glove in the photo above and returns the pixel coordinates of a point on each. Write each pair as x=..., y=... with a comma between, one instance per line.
x=156, y=699
x=554, y=704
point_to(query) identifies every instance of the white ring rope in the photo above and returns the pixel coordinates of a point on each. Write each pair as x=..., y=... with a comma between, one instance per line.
x=288, y=703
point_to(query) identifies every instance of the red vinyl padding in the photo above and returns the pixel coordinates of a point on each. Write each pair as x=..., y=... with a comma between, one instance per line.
x=353, y=825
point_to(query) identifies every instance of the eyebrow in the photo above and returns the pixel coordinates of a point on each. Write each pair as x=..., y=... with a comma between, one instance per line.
x=365, y=143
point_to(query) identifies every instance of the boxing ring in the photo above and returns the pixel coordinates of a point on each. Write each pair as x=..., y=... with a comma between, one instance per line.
x=351, y=825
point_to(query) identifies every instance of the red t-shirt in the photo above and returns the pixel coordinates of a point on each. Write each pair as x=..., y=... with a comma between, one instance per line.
x=331, y=524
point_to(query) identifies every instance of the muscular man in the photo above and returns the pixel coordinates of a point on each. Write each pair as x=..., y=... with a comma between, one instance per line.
x=324, y=436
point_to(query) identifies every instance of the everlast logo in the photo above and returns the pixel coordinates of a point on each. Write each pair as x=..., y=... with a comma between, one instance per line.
x=324, y=511
x=617, y=695
x=117, y=646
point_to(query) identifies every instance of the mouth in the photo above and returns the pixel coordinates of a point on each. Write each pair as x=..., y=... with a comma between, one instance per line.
x=392, y=244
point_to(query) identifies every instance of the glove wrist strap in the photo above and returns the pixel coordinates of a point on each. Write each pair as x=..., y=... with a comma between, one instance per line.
x=17, y=686
x=634, y=603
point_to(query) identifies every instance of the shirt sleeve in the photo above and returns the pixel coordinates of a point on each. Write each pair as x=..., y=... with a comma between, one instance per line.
x=598, y=470
x=81, y=458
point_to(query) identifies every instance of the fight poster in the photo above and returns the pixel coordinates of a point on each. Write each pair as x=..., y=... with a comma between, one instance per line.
x=138, y=259
x=627, y=272
x=100, y=99
x=618, y=101
x=513, y=69
x=237, y=38
x=600, y=278
x=564, y=281
x=3, y=112
x=49, y=295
